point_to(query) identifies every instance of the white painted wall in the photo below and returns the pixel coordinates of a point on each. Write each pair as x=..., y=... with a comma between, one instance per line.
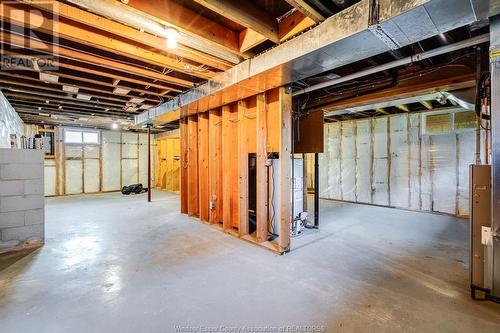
x=389, y=161
x=10, y=123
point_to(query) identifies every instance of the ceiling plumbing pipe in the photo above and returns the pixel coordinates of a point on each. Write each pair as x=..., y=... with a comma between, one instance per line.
x=401, y=62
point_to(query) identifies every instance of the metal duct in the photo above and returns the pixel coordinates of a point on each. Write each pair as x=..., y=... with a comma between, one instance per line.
x=123, y=14
x=397, y=63
x=351, y=35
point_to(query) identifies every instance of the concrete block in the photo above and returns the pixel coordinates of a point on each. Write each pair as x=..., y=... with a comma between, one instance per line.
x=35, y=216
x=20, y=203
x=12, y=219
x=27, y=233
x=11, y=187
x=18, y=171
x=21, y=156
x=33, y=186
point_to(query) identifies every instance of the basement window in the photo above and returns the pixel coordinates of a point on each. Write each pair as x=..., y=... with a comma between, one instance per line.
x=77, y=136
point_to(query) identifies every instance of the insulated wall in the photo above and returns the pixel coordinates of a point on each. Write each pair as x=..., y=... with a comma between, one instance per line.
x=396, y=161
x=119, y=159
x=10, y=123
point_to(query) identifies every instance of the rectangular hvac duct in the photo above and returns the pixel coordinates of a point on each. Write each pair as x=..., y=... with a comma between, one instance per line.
x=356, y=33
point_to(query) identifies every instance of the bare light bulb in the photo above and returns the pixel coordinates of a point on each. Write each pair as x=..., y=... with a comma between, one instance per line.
x=114, y=126
x=171, y=35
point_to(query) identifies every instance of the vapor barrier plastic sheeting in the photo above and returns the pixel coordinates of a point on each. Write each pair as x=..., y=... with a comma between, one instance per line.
x=10, y=123
x=390, y=161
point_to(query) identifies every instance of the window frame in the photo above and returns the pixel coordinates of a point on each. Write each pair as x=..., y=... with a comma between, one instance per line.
x=81, y=131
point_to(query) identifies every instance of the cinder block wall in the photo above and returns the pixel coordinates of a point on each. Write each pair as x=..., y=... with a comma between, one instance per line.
x=22, y=215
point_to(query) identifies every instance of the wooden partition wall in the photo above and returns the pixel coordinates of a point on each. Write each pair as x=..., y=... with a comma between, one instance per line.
x=214, y=165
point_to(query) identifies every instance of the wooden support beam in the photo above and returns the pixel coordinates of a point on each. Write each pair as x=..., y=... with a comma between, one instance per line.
x=307, y=9
x=285, y=165
x=382, y=110
x=203, y=148
x=95, y=39
x=243, y=148
x=100, y=94
x=403, y=107
x=247, y=14
x=226, y=166
x=294, y=24
x=184, y=135
x=201, y=29
x=215, y=165
x=102, y=23
x=411, y=88
x=427, y=104
x=250, y=39
x=63, y=52
x=193, y=201
x=262, y=184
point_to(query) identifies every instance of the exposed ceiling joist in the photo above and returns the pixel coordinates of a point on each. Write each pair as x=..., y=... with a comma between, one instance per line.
x=97, y=40
x=12, y=80
x=247, y=14
x=197, y=31
x=125, y=31
x=403, y=107
x=63, y=52
x=307, y=9
x=427, y=104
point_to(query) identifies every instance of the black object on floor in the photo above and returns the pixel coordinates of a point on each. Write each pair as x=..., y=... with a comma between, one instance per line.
x=133, y=189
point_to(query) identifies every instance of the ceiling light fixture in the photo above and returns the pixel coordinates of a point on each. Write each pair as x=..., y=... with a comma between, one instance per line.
x=114, y=126
x=171, y=34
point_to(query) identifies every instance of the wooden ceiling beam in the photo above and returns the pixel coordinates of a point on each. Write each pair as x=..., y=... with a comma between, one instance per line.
x=20, y=108
x=62, y=99
x=116, y=78
x=37, y=84
x=99, y=22
x=41, y=107
x=294, y=24
x=291, y=26
x=95, y=39
x=306, y=9
x=66, y=53
x=407, y=91
x=427, y=104
x=247, y=14
x=208, y=32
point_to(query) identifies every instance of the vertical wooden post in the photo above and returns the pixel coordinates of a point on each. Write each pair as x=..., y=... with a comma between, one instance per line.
x=149, y=162
x=203, y=147
x=193, y=202
x=215, y=165
x=184, y=165
x=226, y=166
x=284, y=211
x=261, y=171
x=243, y=142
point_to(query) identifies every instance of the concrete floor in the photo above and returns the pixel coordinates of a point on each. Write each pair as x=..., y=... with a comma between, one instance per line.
x=114, y=263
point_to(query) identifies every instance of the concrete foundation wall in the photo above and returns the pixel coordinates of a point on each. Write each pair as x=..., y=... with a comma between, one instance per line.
x=21, y=198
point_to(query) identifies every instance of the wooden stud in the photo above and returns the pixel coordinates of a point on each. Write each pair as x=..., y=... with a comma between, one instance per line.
x=284, y=210
x=203, y=148
x=215, y=165
x=193, y=201
x=184, y=164
x=226, y=167
x=262, y=186
x=243, y=142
